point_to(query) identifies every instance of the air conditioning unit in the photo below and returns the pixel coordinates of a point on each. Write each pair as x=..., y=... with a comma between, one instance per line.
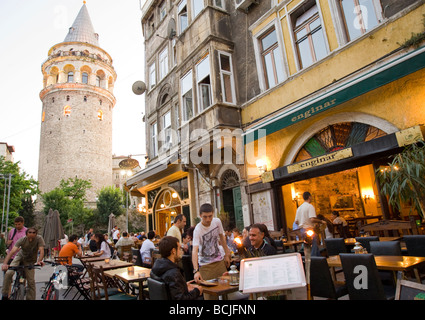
x=244, y=4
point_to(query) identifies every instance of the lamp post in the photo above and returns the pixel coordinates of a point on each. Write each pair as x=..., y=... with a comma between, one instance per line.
x=8, y=202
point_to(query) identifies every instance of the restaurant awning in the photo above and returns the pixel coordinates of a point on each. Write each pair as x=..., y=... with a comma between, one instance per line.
x=358, y=155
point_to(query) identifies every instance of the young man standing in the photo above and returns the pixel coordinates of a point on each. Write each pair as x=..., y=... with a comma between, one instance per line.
x=177, y=229
x=207, y=258
x=167, y=270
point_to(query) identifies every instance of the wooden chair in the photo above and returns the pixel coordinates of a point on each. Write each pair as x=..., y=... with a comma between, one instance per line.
x=126, y=253
x=112, y=288
x=409, y=290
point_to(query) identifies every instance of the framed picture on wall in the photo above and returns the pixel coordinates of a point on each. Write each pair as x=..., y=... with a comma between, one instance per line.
x=342, y=202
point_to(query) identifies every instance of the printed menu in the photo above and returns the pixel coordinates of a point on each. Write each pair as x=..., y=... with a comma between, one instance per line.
x=270, y=273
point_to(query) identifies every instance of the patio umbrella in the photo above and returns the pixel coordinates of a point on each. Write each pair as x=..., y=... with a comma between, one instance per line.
x=111, y=223
x=53, y=230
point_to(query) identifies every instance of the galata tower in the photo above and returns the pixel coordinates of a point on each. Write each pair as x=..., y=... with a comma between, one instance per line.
x=76, y=121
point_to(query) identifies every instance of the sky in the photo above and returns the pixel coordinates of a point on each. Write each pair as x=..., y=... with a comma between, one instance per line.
x=28, y=29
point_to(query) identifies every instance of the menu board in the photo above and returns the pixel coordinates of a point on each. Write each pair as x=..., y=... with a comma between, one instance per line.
x=271, y=273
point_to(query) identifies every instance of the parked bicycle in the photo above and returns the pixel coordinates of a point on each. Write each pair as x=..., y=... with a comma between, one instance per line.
x=19, y=287
x=57, y=281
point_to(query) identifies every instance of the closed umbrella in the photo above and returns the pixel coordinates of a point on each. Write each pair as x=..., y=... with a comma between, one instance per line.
x=111, y=223
x=53, y=230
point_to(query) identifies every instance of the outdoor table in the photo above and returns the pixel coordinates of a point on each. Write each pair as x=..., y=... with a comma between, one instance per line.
x=113, y=264
x=352, y=241
x=293, y=243
x=220, y=289
x=91, y=258
x=401, y=264
x=140, y=274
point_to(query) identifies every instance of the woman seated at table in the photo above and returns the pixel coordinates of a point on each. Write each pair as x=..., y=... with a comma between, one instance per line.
x=103, y=247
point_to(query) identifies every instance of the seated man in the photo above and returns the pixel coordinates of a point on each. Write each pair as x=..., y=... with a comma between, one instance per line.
x=125, y=240
x=166, y=269
x=145, y=250
x=72, y=249
x=259, y=247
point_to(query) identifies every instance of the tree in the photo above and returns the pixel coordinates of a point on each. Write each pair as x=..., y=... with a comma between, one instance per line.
x=109, y=201
x=404, y=179
x=22, y=189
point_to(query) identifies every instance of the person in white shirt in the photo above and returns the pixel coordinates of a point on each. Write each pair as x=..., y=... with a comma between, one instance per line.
x=306, y=218
x=145, y=250
x=123, y=241
x=177, y=229
x=104, y=251
x=116, y=234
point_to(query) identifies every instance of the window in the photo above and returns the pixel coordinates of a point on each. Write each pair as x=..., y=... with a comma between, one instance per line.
x=97, y=81
x=360, y=16
x=70, y=76
x=197, y=6
x=162, y=10
x=183, y=20
x=166, y=125
x=309, y=38
x=219, y=3
x=163, y=63
x=186, y=96
x=204, y=83
x=100, y=114
x=85, y=78
x=154, y=140
x=271, y=58
x=152, y=76
x=150, y=28
x=67, y=111
x=226, y=76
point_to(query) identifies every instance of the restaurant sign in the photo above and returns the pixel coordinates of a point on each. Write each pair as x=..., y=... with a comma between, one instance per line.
x=318, y=161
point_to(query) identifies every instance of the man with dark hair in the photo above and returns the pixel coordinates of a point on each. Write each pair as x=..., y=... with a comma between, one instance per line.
x=72, y=249
x=177, y=229
x=207, y=258
x=166, y=269
x=29, y=250
x=15, y=234
x=259, y=247
x=125, y=240
x=145, y=250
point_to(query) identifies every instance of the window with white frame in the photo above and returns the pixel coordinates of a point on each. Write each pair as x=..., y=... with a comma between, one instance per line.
x=197, y=6
x=187, y=96
x=271, y=58
x=203, y=81
x=166, y=127
x=152, y=76
x=162, y=10
x=226, y=77
x=154, y=140
x=163, y=63
x=359, y=16
x=182, y=16
x=219, y=4
x=309, y=37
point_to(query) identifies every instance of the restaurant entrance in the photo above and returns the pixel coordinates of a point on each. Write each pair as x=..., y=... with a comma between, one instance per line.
x=167, y=207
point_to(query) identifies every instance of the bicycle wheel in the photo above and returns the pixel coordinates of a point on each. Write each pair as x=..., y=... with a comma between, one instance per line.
x=51, y=293
x=18, y=292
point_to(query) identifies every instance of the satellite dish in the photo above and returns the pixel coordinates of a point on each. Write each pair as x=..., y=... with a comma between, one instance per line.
x=139, y=87
x=171, y=29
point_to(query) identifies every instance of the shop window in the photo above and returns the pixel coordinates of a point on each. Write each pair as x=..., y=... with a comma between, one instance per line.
x=226, y=77
x=187, y=96
x=182, y=16
x=204, y=83
x=309, y=38
x=359, y=16
x=271, y=59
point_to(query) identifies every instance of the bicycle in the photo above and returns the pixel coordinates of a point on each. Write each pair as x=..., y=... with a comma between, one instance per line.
x=19, y=287
x=56, y=282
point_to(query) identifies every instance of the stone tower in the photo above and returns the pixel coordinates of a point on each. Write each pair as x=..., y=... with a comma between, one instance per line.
x=77, y=96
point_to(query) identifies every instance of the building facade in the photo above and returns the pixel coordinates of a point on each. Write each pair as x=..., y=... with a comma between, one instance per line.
x=7, y=151
x=77, y=97
x=340, y=86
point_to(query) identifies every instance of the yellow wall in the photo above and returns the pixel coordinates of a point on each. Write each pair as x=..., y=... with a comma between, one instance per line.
x=338, y=64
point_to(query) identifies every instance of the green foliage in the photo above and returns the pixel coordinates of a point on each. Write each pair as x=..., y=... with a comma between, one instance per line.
x=22, y=188
x=416, y=39
x=109, y=201
x=404, y=180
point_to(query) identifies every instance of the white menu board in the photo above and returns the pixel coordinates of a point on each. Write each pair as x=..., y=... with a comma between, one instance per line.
x=271, y=273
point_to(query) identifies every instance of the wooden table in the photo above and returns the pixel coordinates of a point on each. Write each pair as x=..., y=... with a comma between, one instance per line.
x=401, y=264
x=140, y=274
x=220, y=289
x=113, y=264
x=91, y=259
x=352, y=241
x=293, y=243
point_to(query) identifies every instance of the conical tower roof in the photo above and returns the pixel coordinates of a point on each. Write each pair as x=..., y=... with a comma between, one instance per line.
x=82, y=29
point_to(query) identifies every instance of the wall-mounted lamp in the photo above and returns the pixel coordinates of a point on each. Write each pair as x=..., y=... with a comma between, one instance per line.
x=261, y=166
x=368, y=195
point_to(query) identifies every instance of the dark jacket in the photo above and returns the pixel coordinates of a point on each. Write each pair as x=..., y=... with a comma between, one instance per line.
x=170, y=273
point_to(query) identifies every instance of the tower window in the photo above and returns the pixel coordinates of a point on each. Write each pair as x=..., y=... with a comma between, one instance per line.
x=98, y=81
x=100, y=102
x=70, y=76
x=67, y=111
x=100, y=115
x=53, y=99
x=85, y=98
x=67, y=98
x=85, y=78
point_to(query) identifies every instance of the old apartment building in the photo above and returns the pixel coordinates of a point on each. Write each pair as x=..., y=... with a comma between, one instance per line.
x=245, y=99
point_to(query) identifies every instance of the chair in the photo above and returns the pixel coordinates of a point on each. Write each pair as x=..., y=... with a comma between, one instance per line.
x=335, y=246
x=409, y=290
x=415, y=245
x=362, y=278
x=280, y=247
x=98, y=287
x=126, y=253
x=111, y=283
x=187, y=267
x=364, y=241
x=157, y=290
x=137, y=258
x=321, y=283
x=385, y=248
